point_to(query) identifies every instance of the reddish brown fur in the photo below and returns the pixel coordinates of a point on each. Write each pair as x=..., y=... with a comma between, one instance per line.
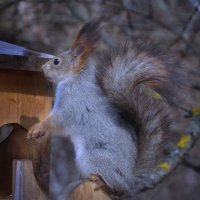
x=84, y=44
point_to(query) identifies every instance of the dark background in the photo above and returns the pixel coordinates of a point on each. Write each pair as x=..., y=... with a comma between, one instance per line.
x=50, y=26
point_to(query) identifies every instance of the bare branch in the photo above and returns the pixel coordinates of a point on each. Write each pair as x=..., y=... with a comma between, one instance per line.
x=195, y=3
x=190, y=18
x=162, y=25
x=176, y=156
x=150, y=9
x=196, y=86
x=7, y=5
x=192, y=163
x=151, y=179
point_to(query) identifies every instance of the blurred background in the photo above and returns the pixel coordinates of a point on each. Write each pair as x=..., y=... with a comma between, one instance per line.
x=50, y=25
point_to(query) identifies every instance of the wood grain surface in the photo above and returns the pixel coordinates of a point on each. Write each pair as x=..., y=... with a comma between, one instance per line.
x=25, y=186
x=25, y=99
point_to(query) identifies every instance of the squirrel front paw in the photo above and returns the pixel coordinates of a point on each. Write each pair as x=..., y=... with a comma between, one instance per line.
x=36, y=131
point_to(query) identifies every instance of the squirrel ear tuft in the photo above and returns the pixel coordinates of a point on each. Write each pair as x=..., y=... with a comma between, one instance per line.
x=84, y=43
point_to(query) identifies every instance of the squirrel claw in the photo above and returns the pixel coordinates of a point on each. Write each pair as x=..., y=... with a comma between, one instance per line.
x=100, y=184
x=35, y=132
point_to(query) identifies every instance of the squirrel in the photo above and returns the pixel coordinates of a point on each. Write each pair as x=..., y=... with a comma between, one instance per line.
x=117, y=130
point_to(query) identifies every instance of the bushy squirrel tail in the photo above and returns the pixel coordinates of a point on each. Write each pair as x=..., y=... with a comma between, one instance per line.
x=124, y=74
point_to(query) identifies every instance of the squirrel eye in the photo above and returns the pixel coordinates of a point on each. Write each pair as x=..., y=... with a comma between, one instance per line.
x=56, y=61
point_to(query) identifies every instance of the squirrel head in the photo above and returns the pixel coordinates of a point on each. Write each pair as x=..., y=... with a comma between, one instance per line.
x=73, y=61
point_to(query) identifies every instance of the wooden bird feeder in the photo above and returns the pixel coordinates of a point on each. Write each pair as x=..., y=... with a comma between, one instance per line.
x=25, y=99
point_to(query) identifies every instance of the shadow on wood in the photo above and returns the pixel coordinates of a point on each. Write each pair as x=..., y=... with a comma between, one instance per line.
x=25, y=97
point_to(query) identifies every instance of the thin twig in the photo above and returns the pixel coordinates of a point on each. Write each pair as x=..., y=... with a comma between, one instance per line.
x=8, y=5
x=150, y=9
x=196, y=86
x=129, y=20
x=192, y=163
x=162, y=25
x=190, y=18
x=194, y=2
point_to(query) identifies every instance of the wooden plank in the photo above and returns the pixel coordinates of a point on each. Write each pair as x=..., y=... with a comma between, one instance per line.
x=87, y=191
x=28, y=63
x=24, y=183
x=8, y=100
x=25, y=97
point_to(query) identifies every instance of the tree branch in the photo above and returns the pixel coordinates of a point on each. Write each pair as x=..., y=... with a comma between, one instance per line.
x=176, y=156
x=162, y=25
x=7, y=5
x=151, y=179
x=180, y=35
x=192, y=163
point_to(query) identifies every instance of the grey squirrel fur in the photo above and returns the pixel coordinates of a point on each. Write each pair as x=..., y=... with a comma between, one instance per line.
x=117, y=130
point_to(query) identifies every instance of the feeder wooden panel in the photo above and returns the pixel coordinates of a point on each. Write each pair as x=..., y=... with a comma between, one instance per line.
x=86, y=192
x=24, y=182
x=25, y=99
